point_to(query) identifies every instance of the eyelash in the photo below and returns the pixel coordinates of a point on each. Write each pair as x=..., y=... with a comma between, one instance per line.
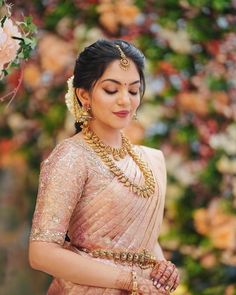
x=113, y=92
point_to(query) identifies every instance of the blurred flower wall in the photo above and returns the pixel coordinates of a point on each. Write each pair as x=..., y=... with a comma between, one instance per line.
x=189, y=112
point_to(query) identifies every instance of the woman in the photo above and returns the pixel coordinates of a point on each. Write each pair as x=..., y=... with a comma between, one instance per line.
x=100, y=201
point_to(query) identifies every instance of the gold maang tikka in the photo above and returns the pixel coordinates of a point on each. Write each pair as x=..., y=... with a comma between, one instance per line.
x=124, y=62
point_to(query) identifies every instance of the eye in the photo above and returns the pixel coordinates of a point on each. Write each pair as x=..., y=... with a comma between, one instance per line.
x=133, y=92
x=110, y=92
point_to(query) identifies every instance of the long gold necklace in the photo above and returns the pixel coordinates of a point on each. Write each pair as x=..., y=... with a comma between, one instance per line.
x=102, y=150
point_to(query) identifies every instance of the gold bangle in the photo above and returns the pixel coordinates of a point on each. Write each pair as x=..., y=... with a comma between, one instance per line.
x=134, y=290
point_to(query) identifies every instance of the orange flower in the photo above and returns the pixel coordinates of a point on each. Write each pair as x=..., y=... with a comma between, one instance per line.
x=230, y=290
x=201, y=221
x=56, y=54
x=6, y=148
x=208, y=260
x=217, y=225
x=109, y=21
x=32, y=75
x=224, y=236
x=167, y=68
x=6, y=145
x=193, y=102
x=126, y=13
x=115, y=13
x=220, y=101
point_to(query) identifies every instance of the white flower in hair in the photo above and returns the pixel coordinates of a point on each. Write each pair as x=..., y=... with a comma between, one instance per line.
x=69, y=97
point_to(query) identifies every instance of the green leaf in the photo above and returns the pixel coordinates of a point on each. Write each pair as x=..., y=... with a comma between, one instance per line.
x=27, y=40
x=3, y=20
x=5, y=72
x=217, y=84
x=28, y=23
x=15, y=63
x=33, y=42
x=21, y=54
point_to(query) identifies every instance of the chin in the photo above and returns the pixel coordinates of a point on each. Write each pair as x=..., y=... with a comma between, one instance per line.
x=120, y=126
x=117, y=124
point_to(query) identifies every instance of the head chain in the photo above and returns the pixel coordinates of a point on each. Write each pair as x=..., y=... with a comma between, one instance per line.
x=124, y=62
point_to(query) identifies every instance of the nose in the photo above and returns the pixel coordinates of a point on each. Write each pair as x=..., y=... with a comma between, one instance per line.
x=124, y=98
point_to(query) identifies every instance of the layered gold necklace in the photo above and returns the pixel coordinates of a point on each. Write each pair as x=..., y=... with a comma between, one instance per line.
x=105, y=152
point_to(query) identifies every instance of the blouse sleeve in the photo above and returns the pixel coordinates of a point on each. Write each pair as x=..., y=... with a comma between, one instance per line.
x=62, y=178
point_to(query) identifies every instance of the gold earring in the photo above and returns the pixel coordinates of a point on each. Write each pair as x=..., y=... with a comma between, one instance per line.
x=85, y=114
x=81, y=113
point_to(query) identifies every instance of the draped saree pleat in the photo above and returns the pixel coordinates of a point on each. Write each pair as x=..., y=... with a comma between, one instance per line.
x=105, y=214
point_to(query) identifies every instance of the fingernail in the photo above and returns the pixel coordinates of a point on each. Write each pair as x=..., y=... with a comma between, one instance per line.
x=154, y=283
x=158, y=286
x=167, y=288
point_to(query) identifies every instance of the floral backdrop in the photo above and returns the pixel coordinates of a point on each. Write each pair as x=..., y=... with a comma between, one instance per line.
x=189, y=112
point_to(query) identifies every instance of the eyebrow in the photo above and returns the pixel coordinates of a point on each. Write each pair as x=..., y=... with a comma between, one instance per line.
x=118, y=82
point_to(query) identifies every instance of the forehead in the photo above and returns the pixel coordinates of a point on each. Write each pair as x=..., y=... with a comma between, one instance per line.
x=114, y=71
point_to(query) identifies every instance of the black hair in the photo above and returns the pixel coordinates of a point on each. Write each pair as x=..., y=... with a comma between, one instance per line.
x=94, y=59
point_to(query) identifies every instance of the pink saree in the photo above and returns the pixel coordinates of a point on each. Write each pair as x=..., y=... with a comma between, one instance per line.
x=79, y=196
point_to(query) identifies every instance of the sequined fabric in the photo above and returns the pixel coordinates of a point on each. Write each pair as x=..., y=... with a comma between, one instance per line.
x=78, y=195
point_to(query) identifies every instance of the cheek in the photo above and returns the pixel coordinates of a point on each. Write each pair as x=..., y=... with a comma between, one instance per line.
x=136, y=102
x=99, y=101
x=101, y=105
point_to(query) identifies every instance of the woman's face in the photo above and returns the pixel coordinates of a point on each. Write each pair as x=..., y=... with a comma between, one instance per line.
x=115, y=96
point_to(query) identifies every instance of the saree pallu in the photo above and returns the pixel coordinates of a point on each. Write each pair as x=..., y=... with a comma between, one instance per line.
x=78, y=195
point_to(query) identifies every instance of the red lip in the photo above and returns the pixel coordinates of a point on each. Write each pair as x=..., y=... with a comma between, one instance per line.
x=121, y=113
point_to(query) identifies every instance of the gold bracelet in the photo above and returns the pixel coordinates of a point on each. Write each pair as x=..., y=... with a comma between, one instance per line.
x=134, y=290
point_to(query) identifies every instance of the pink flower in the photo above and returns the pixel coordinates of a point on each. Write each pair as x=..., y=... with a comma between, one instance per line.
x=8, y=45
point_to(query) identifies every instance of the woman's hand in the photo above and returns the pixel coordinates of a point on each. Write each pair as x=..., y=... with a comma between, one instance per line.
x=165, y=276
x=146, y=287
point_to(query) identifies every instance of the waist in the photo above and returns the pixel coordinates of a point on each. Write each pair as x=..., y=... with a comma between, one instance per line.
x=143, y=259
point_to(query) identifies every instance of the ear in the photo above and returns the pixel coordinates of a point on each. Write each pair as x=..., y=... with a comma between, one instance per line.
x=83, y=96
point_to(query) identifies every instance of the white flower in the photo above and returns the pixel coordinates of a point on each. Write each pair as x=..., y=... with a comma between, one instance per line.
x=179, y=40
x=8, y=45
x=226, y=165
x=69, y=97
x=226, y=140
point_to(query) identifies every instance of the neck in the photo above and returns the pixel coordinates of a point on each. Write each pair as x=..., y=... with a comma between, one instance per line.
x=108, y=136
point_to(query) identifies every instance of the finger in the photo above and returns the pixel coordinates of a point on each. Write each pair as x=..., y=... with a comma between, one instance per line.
x=157, y=284
x=156, y=287
x=164, y=279
x=161, y=269
x=172, y=279
x=162, y=291
x=155, y=269
x=176, y=283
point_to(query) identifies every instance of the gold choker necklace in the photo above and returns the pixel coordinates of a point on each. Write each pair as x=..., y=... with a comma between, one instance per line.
x=104, y=152
x=116, y=153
